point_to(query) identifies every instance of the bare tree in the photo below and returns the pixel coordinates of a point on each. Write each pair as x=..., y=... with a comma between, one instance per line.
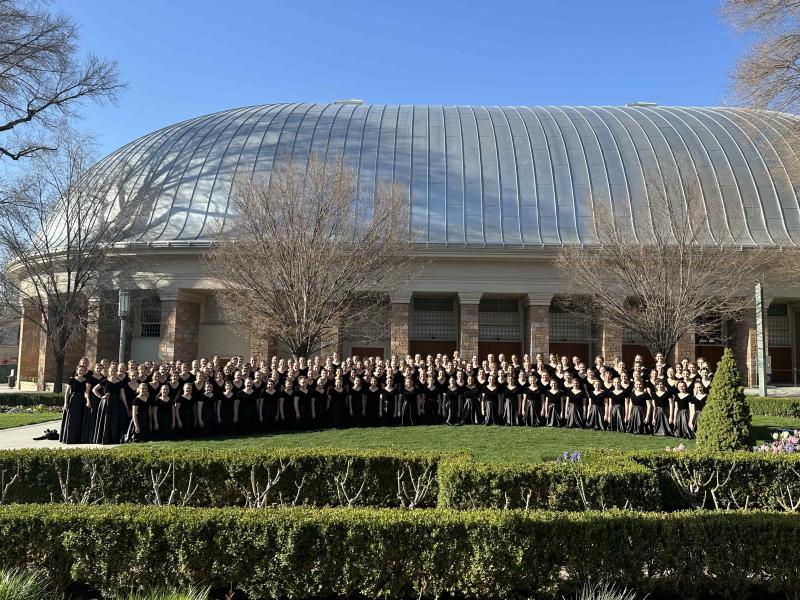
x=768, y=75
x=679, y=274
x=307, y=253
x=42, y=77
x=56, y=239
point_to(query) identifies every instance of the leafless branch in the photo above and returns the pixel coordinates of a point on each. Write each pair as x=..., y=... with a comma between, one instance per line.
x=313, y=252
x=5, y=486
x=345, y=495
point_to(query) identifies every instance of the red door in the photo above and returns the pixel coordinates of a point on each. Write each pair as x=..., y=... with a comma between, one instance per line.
x=629, y=352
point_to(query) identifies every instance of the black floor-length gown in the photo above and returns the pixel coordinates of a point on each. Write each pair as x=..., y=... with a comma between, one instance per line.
x=636, y=422
x=110, y=414
x=617, y=415
x=74, y=412
x=452, y=396
x=533, y=407
x=681, y=426
x=594, y=414
x=552, y=416
x=490, y=400
x=91, y=413
x=660, y=411
x=510, y=405
x=470, y=410
x=699, y=405
x=408, y=401
x=339, y=407
x=372, y=406
x=573, y=417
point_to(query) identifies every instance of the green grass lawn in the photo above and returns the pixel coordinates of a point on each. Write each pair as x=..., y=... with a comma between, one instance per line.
x=18, y=419
x=501, y=444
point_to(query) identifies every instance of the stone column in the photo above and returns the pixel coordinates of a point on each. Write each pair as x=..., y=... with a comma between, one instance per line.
x=536, y=309
x=180, y=325
x=29, y=332
x=468, y=323
x=398, y=324
x=263, y=349
x=743, y=342
x=610, y=341
x=685, y=348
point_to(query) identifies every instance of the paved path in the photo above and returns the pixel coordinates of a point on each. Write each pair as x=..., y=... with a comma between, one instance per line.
x=22, y=437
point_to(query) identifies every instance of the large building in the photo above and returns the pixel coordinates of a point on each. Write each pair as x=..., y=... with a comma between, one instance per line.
x=495, y=192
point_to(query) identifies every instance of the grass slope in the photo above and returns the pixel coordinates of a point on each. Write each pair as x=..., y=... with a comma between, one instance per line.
x=19, y=419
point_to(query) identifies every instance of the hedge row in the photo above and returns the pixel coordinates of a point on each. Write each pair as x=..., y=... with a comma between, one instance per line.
x=649, y=481
x=774, y=407
x=31, y=399
x=305, y=553
x=599, y=483
x=246, y=477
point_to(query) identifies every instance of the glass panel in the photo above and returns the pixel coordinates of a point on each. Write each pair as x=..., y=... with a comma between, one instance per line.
x=433, y=319
x=566, y=327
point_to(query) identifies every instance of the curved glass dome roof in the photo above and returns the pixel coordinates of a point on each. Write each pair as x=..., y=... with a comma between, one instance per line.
x=483, y=176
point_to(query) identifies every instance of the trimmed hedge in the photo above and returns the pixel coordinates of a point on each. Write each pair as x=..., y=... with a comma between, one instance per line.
x=31, y=399
x=219, y=478
x=774, y=407
x=588, y=484
x=304, y=553
x=600, y=480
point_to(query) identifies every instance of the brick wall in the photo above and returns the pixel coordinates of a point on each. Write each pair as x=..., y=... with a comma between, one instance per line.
x=743, y=342
x=610, y=340
x=537, y=329
x=28, y=360
x=468, y=329
x=180, y=329
x=685, y=348
x=398, y=328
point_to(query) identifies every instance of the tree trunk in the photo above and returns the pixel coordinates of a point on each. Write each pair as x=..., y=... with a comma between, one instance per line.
x=58, y=378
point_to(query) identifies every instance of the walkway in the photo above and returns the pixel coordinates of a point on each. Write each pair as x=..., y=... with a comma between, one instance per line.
x=22, y=437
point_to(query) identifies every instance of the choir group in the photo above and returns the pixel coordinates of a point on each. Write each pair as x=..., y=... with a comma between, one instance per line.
x=112, y=403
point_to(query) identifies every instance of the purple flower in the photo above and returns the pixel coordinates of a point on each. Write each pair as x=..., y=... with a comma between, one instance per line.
x=576, y=456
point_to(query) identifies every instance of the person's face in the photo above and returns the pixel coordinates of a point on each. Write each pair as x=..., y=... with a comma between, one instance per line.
x=173, y=378
x=187, y=388
x=209, y=388
x=81, y=371
x=142, y=389
x=228, y=387
x=164, y=392
x=248, y=384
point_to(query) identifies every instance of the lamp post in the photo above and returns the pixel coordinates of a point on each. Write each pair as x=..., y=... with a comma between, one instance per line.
x=123, y=311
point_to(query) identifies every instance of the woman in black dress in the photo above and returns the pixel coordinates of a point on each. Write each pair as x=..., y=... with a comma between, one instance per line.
x=245, y=412
x=511, y=403
x=531, y=402
x=576, y=398
x=111, y=408
x=490, y=398
x=139, y=428
x=389, y=401
x=207, y=409
x=637, y=403
x=184, y=411
x=661, y=407
x=284, y=415
x=471, y=398
x=318, y=397
x=356, y=401
x=269, y=399
x=595, y=413
x=698, y=403
x=76, y=398
x=552, y=403
x=300, y=408
x=224, y=401
x=408, y=400
x=153, y=387
x=682, y=423
x=616, y=406
x=429, y=395
x=93, y=378
x=337, y=395
x=162, y=406
x=452, y=396
x=372, y=402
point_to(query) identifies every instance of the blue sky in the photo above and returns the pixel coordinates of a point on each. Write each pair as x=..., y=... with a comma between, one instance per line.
x=182, y=59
